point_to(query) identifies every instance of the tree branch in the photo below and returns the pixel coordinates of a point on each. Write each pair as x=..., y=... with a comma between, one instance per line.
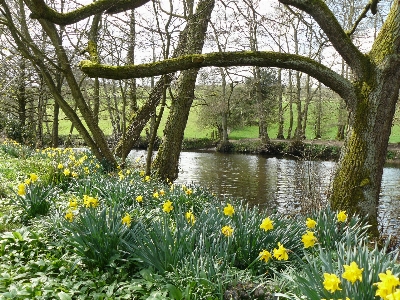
x=335, y=33
x=262, y=59
x=40, y=10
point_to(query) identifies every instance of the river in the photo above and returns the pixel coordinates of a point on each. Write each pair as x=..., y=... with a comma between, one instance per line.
x=278, y=184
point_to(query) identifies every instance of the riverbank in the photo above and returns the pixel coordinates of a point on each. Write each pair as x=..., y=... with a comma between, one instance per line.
x=312, y=149
x=70, y=230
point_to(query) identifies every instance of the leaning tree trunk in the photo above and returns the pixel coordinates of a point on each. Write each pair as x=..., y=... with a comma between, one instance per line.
x=200, y=18
x=357, y=182
x=167, y=160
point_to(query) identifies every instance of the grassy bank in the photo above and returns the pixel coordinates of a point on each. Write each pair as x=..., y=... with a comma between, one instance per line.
x=71, y=231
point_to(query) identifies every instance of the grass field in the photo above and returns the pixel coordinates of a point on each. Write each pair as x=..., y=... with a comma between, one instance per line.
x=194, y=130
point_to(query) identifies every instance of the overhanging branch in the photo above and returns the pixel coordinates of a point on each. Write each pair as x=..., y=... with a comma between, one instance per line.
x=247, y=58
x=40, y=10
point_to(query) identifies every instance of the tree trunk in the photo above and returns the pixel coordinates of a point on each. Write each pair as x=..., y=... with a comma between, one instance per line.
x=290, y=91
x=357, y=182
x=21, y=95
x=280, y=107
x=262, y=119
x=318, y=114
x=298, y=133
x=167, y=160
x=147, y=111
x=309, y=96
x=225, y=110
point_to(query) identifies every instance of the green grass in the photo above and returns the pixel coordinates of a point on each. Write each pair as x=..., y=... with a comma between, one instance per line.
x=195, y=130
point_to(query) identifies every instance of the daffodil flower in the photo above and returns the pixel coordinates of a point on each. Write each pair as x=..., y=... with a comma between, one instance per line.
x=227, y=230
x=341, y=216
x=352, y=272
x=228, y=210
x=331, y=282
x=167, y=206
x=267, y=224
x=265, y=255
x=310, y=223
x=281, y=252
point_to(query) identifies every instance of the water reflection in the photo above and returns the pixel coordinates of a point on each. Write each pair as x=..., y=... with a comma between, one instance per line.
x=277, y=184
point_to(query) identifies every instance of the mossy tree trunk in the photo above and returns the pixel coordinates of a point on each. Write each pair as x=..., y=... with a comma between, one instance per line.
x=167, y=160
x=357, y=182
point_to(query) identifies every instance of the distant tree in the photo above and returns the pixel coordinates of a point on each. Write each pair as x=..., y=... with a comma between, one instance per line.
x=263, y=89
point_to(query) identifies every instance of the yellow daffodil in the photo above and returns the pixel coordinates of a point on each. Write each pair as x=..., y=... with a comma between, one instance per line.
x=21, y=189
x=341, y=216
x=147, y=178
x=162, y=192
x=189, y=192
x=190, y=217
x=331, y=282
x=155, y=195
x=73, y=203
x=67, y=172
x=74, y=174
x=69, y=216
x=60, y=166
x=89, y=201
x=227, y=230
x=139, y=198
x=387, y=285
x=28, y=181
x=265, y=255
x=33, y=177
x=281, y=253
x=228, y=210
x=310, y=223
x=267, y=224
x=308, y=239
x=352, y=272
x=394, y=296
x=167, y=206
x=142, y=173
x=127, y=220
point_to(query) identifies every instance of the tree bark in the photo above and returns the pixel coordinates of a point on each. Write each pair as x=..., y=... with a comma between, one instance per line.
x=280, y=107
x=167, y=160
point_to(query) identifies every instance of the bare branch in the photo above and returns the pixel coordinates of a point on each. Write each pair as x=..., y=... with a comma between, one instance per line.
x=40, y=10
x=246, y=58
x=370, y=5
x=335, y=33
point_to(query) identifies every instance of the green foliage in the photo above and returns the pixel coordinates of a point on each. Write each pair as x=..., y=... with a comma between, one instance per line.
x=372, y=260
x=330, y=232
x=95, y=234
x=15, y=149
x=37, y=200
x=23, y=134
x=87, y=248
